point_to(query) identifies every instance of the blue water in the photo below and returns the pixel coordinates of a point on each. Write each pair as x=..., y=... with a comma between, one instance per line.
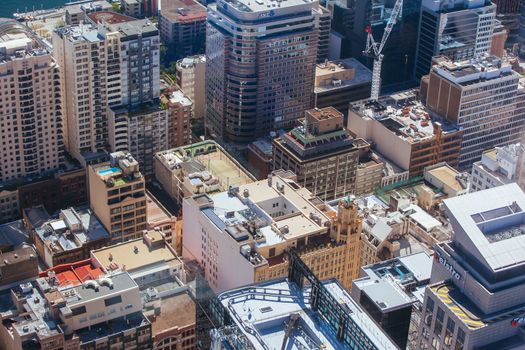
x=8, y=7
x=109, y=171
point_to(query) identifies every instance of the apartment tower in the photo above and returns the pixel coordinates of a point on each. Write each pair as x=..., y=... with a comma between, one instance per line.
x=260, y=66
x=30, y=110
x=457, y=29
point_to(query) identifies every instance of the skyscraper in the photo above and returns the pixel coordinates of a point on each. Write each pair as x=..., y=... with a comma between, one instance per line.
x=30, y=113
x=457, y=29
x=260, y=66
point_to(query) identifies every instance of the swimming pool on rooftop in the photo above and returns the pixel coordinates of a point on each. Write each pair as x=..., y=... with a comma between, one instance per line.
x=109, y=171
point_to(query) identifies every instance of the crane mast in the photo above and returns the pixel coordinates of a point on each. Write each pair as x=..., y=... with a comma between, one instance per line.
x=374, y=50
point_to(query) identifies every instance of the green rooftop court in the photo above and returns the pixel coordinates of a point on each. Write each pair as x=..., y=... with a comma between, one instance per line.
x=412, y=186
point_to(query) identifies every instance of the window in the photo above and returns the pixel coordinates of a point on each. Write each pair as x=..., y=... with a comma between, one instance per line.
x=78, y=310
x=112, y=301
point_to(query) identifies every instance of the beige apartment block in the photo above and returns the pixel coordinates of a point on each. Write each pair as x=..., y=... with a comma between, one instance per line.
x=117, y=196
x=30, y=96
x=191, y=80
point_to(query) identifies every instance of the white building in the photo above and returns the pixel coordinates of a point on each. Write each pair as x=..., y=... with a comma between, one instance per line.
x=30, y=113
x=233, y=235
x=192, y=81
x=499, y=166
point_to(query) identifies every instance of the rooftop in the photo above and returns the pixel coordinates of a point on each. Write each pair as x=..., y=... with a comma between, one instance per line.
x=72, y=274
x=182, y=10
x=472, y=71
x=322, y=134
x=490, y=224
x=71, y=229
x=404, y=115
x=449, y=176
x=205, y=164
x=13, y=234
x=340, y=74
x=136, y=254
x=109, y=17
x=262, y=318
x=188, y=62
x=121, y=169
x=262, y=5
x=398, y=282
x=176, y=311
x=23, y=253
x=178, y=96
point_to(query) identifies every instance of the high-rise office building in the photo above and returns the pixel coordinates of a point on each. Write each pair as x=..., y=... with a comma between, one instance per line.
x=112, y=64
x=457, y=29
x=260, y=66
x=476, y=296
x=117, y=196
x=483, y=98
x=30, y=110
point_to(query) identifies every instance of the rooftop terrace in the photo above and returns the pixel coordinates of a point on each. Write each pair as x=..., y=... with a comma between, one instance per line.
x=404, y=115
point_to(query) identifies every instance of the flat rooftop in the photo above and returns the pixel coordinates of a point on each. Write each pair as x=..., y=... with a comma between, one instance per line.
x=473, y=70
x=263, y=5
x=260, y=312
x=396, y=283
x=403, y=114
x=109, y=17
x=136, y=254
x=209, y=159
x=448, y=176
x=183, y=10
x=491, y=225
x=175, y=311
x=71, y=229
x=360, y=74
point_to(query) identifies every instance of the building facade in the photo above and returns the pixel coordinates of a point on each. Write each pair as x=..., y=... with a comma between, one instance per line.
x=260, y=80
x=31, y=126
x=117, y=196
x=458, y=29
x=483, y=98
x=321, y=153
